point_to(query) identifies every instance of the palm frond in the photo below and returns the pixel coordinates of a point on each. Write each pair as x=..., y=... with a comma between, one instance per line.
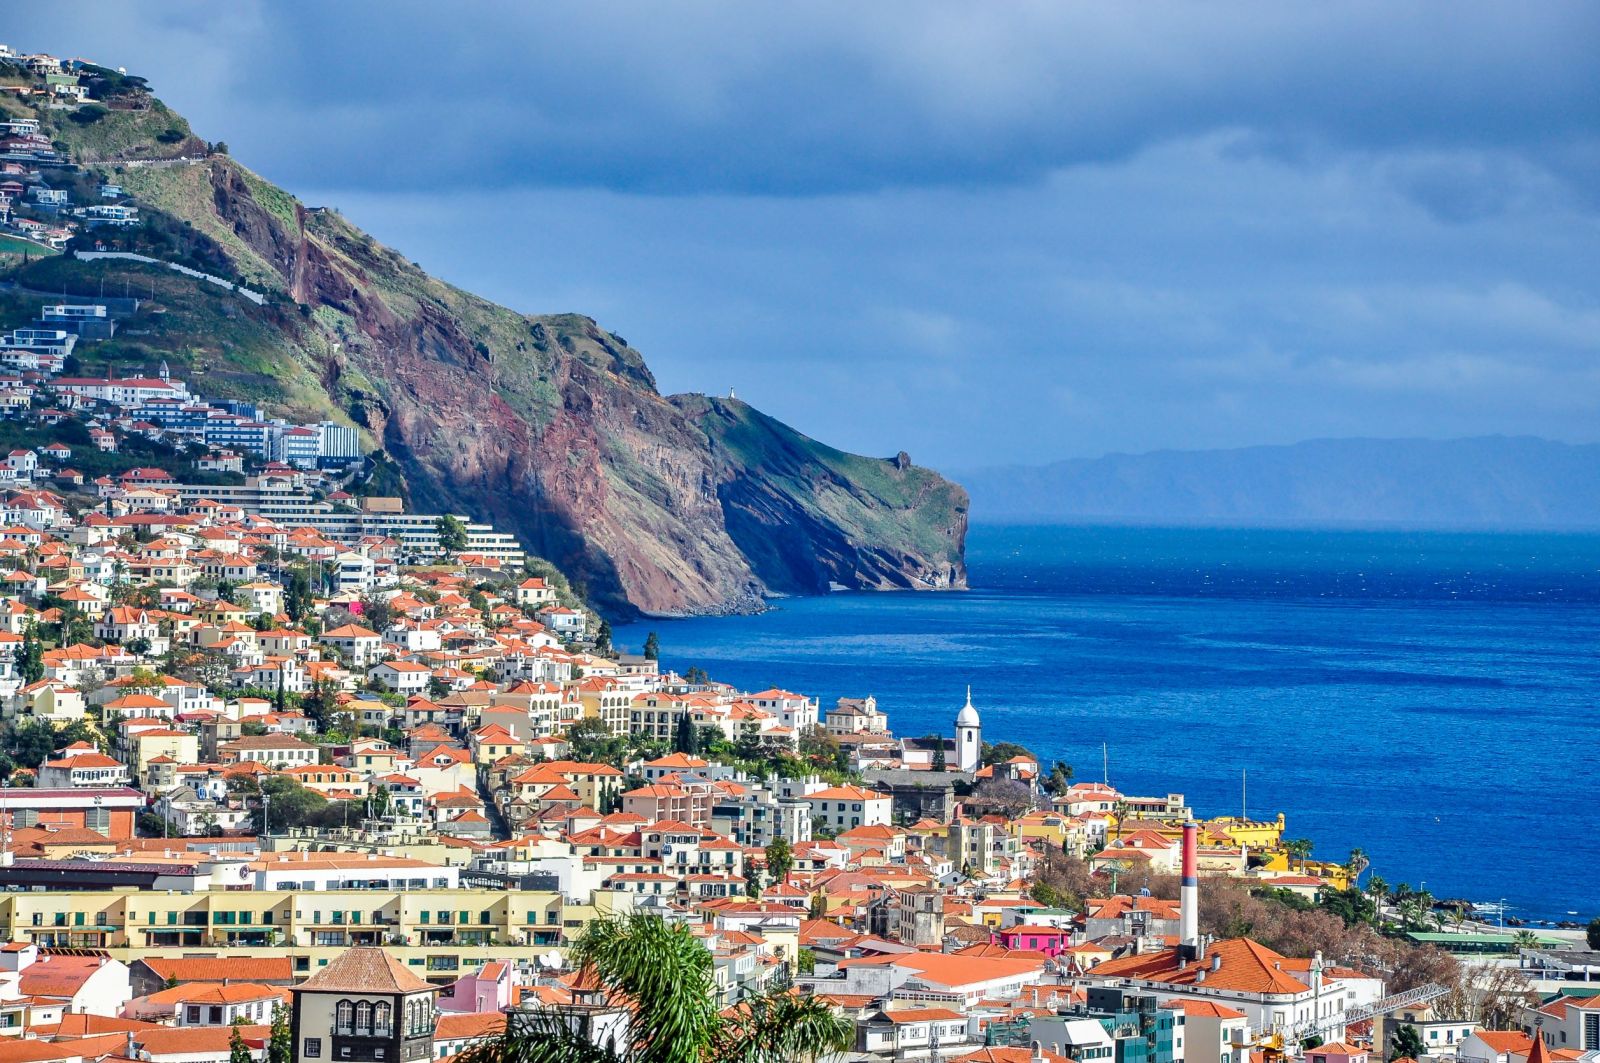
x=783, y=1027
x=540, y=1036
x=665, y=976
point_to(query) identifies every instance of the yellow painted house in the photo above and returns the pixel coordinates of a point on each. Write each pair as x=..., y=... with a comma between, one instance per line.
x=148, y=745
x=1256, y=834
x=52, y=700
x=1052, y=827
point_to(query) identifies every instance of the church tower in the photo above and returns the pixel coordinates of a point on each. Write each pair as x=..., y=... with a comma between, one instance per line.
x=969, y=737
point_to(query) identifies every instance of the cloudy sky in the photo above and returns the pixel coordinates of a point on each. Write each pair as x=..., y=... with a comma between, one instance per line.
x=982, y=233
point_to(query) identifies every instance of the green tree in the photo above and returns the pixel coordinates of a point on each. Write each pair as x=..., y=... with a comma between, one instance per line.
x=290, y=805
x=1000, y=752
x=1060, y=778
x=780, y=860
x=665, y=977
x=238, y=1051
x=1406, y=1043
x=1298, y=849
x=1525, y=939
x=591, y=740
x=280, y=1046
x=602, y=638
x=652, y=647
x=684, y=737
x=32, y=740
x=819, y=906
x=1120, y=811
x=1592, y=933
x=452, y=535
x=1378, y=890
x=1047, y=895
x=1351, y=905
x=30, y=662
x=298, y=602
x=938, y=751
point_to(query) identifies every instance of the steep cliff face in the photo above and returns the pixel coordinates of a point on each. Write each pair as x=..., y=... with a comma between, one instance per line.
x=549, y=425
x=812, y=519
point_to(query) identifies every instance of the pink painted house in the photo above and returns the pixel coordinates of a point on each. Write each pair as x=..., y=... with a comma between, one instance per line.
x=488, y=989
x=1050, y=940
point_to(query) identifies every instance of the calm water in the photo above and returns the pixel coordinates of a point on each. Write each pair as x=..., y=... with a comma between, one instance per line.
x=1429, y=697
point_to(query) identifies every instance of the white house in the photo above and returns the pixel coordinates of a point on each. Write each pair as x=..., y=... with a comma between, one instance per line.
x=844, y=807
x=402, y=677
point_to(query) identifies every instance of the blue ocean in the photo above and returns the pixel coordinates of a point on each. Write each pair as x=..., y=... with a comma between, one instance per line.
x=1431, y=697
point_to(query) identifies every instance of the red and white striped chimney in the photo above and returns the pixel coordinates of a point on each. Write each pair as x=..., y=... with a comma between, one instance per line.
x=1189, y=893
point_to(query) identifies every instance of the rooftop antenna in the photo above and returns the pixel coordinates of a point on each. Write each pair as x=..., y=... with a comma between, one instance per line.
x=1105, y=764
x=1244, y=794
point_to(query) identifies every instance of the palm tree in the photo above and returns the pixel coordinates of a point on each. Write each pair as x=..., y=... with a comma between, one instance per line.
x=1357, y=864
x=1120, y=810
x=1298, y=848
x=1425, y=904
x=1525, y=939
x=1378, y=890
x=664, y=977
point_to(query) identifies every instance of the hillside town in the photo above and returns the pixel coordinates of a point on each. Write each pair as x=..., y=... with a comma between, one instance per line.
x=253, y=772
x=292, y=771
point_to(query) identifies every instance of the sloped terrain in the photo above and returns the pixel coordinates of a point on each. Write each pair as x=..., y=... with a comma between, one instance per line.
x=548, y=425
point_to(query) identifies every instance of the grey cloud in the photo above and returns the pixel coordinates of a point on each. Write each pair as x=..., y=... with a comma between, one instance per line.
x=834, y=97
x=984, y=233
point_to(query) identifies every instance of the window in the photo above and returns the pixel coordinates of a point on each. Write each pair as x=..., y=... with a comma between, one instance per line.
x=344, y=1021
x=313, y=1047
x=382, y=1020
x=364, y=1019
x=191, y=1014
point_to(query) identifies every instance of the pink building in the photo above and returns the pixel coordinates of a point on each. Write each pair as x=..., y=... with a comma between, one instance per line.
x=488, y=989
x=1050, y=940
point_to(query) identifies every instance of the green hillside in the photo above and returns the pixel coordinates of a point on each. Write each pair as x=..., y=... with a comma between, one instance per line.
x=548, y=425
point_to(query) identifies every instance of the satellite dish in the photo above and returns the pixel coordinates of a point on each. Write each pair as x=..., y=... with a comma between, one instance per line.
x=551, y=959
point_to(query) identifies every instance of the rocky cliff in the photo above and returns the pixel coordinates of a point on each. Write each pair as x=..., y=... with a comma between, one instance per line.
x=550, y=426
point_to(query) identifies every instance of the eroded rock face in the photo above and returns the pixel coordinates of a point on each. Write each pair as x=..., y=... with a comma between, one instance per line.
x=552, y=428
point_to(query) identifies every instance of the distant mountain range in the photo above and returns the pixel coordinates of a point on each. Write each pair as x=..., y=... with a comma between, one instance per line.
x=1491, y=481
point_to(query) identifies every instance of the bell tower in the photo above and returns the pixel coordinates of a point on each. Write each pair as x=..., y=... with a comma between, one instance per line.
x=969, y=737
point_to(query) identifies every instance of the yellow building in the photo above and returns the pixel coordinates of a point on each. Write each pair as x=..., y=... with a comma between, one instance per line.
x=54, y=701
x=438, y=933
x=607, y=701
x=1255, y=834
x=162, y=742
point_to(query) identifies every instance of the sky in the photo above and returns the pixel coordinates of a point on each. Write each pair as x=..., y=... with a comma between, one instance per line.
x=982, y=233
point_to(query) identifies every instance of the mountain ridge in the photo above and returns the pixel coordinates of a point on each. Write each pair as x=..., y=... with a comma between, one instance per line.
x=548, y=424
x=1469, y=482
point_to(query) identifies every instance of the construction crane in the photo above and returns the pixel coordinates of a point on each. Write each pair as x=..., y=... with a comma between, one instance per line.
x=1275, y=1046
x=1376, y=1010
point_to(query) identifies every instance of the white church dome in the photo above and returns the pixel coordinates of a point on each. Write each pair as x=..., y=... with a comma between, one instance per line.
x=968, y=716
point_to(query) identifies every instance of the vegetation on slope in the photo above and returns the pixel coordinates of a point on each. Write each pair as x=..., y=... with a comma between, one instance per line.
x=548, y=425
